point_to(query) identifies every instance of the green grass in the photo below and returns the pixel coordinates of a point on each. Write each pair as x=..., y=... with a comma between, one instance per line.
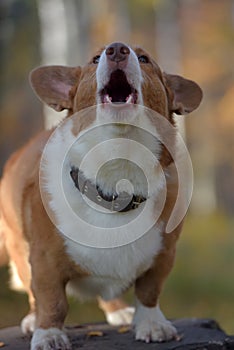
x=200, y=285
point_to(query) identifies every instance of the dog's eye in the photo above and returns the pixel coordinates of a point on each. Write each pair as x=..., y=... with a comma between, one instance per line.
x=143, y=59
x=96, y=59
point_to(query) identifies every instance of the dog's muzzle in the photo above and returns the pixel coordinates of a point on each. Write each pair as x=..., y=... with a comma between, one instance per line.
x=118, y=76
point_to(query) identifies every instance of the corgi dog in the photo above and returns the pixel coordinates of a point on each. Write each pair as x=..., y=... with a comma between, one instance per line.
x=86, y=205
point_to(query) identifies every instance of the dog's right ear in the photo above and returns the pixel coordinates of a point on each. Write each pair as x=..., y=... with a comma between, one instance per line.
x=53, y=85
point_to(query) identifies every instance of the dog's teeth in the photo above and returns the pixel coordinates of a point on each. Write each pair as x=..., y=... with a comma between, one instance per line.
x=129, y=99
x=107, y=99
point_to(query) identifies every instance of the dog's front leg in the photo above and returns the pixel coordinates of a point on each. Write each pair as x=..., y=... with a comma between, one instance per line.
x=149, y=322
x=51, y=309
x=50, y=271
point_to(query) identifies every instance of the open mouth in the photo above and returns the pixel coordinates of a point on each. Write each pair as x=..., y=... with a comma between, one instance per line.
x=118, y=90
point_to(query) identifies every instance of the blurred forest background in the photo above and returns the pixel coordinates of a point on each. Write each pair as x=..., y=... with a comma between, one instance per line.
x=194, y=38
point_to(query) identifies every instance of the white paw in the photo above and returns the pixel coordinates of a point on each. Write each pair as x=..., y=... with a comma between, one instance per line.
x=28, y=323
x=48, y=339
x=120, y=317
x=151, y=325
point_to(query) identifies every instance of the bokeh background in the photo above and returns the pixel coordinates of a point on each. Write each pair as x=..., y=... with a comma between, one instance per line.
x=194, y=38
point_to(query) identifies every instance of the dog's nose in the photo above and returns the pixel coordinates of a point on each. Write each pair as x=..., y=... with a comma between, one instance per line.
x=117, y=52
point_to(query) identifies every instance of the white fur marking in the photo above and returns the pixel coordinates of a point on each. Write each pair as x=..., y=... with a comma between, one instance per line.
x=120, y=317
x=113, y=270
x=28, y=323
x=15, y=281
x=151, y=325
x=51, y=338
x=83, y=222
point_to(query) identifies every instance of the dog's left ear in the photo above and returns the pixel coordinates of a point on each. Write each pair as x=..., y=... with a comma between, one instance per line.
x=53, y=85
x=187, y=94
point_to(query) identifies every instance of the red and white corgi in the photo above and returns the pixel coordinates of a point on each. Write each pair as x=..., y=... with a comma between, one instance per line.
x=106, y=139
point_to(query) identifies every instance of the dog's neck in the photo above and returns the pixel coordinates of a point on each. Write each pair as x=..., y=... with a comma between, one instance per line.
x=110, y=156
x=116, y=202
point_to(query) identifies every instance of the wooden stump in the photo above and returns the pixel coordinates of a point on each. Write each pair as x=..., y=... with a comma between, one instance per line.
x=195, y=334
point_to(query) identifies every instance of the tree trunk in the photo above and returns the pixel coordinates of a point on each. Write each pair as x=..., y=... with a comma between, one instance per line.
x=168, y=42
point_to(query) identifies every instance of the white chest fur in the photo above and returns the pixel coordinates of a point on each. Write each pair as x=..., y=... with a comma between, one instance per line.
x=114, y=248
x=113, y=269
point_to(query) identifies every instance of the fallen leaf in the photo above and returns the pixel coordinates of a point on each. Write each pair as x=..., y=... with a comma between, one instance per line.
x=124, y=329
x=95, y=334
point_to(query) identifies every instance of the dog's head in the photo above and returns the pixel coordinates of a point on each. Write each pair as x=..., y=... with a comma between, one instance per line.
x=117, y=75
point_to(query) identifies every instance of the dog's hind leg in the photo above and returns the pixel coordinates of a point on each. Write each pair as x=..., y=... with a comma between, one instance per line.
x=3, y=251
x=21, y=281
x=20, y=272
x=116, y=311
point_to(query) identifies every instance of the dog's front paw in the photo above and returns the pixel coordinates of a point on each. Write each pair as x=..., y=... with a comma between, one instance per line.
x=121, y=316
x=151, y=325
x=51, y=338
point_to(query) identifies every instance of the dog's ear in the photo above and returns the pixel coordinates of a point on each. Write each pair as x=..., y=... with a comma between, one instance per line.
x=187, y=94
x=53, y=85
